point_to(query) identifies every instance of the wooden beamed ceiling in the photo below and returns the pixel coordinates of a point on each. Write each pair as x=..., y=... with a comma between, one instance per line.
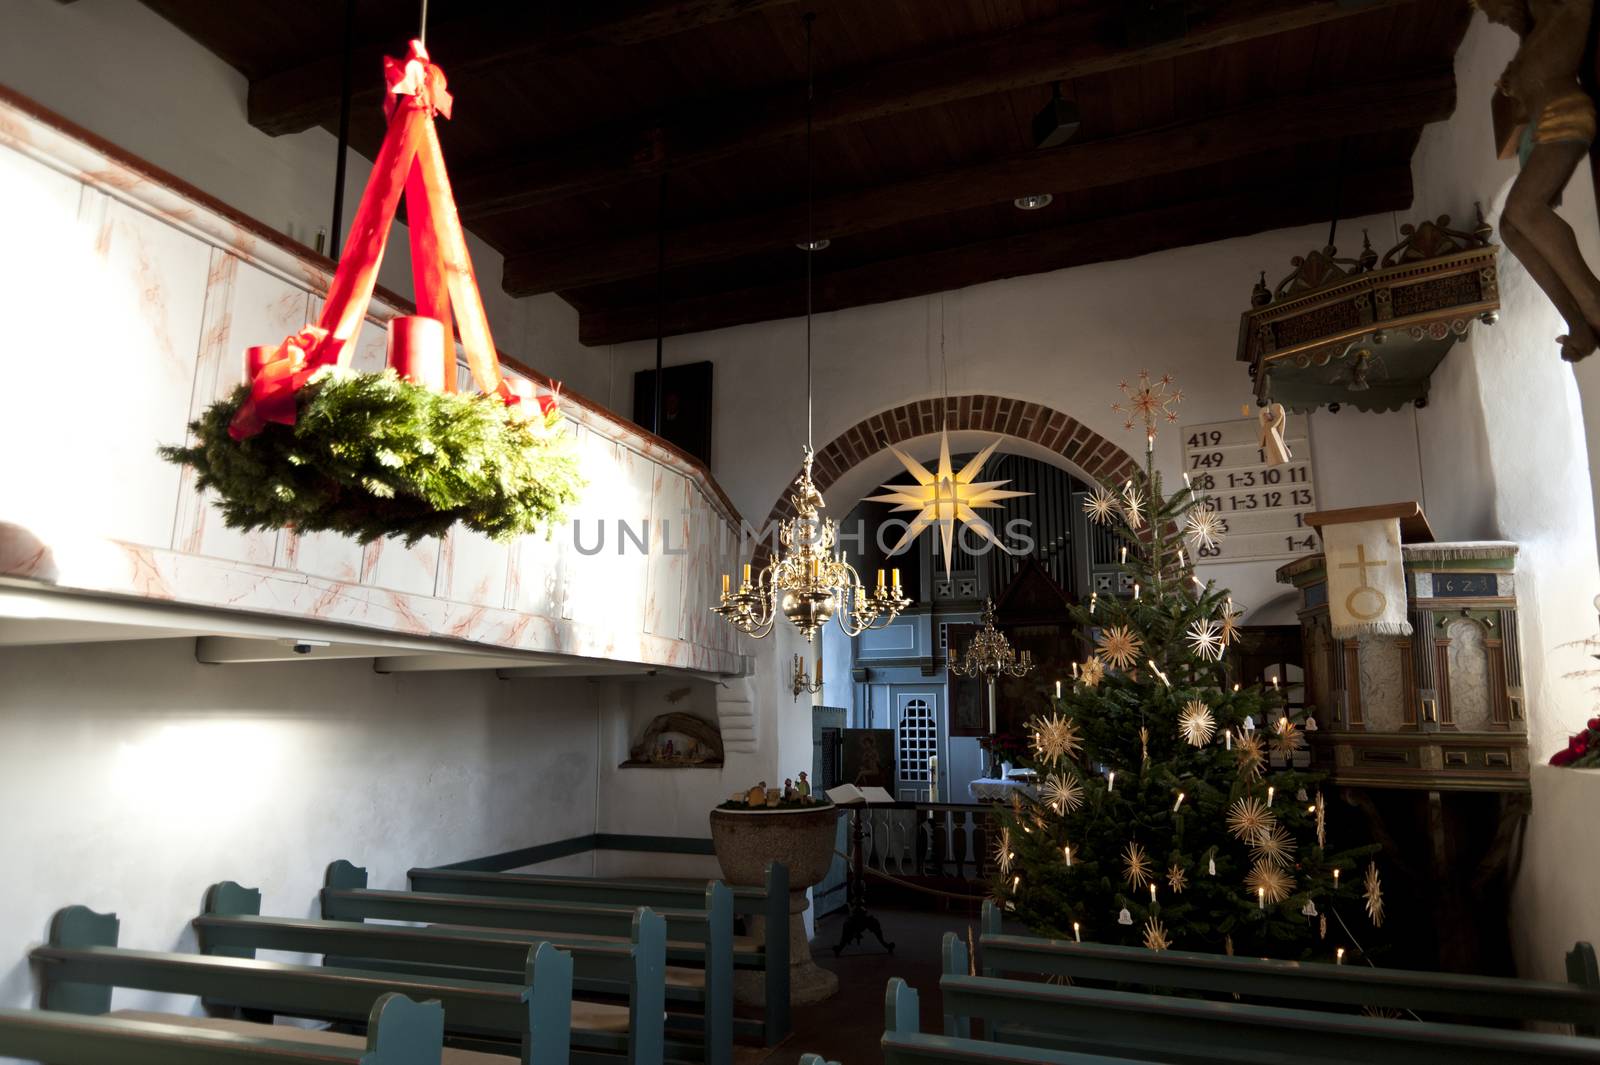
x=573, y=121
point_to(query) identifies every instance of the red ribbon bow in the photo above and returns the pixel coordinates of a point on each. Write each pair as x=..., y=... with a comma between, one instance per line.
x=417, y=78
x=273, y=388
x=518, y=395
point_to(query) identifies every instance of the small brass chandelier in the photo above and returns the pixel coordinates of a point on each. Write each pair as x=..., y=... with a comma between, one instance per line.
x=990, y=656
x=810, y=581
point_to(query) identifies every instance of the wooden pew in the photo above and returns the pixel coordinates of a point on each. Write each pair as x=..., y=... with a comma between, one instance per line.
x=231, y=926
x=904, y=1042
x=769, y=902
x=1476, y=999
x=701, y=937
x=1184, y=1031
x=81, y=964
x=399, y=1032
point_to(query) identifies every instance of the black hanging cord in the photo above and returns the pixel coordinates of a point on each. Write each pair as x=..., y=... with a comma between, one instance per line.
x=661, y=270
x=345, y=90
x=811, y=237
x=1338, y=192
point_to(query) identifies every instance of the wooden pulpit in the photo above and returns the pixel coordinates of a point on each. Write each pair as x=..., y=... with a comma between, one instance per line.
x=1414, y=676
x=1412, y=666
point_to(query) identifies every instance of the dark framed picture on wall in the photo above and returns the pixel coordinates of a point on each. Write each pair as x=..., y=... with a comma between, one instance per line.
x=869, y=758
x=967, y=697
x=685, y=406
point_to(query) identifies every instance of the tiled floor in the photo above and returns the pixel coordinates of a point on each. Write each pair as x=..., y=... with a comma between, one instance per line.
x=848, y=1026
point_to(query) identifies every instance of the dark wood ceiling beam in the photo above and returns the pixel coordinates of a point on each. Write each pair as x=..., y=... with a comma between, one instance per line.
x=1058, y=49
x=299, y=97
x=1273, y=204
x=1345, y=111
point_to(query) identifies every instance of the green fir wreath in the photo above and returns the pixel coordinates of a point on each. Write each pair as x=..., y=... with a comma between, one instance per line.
x=373, y=455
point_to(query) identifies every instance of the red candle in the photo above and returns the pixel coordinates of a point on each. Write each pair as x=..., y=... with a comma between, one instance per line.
x=257, y=357
x=417, y=350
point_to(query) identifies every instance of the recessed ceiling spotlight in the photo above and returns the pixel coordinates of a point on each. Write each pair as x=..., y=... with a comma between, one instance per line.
x=820, y=244
x=1033, y=203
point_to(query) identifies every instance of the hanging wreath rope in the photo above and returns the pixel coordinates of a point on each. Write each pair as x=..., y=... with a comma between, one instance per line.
x=310, y=444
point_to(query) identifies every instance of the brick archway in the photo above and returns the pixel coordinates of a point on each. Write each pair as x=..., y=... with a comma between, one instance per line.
x=1050, y=429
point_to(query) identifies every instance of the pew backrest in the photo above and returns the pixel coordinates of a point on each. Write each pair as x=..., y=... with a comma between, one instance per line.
x=770, y=902
x=904, y=1043
x=345, y=897
x=1169, y=1028
x=81, y=964
x=232, y=926
x=399, y=1032
x=1479, y=998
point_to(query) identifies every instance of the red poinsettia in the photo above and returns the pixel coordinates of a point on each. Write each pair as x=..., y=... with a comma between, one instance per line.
x=1583, y=749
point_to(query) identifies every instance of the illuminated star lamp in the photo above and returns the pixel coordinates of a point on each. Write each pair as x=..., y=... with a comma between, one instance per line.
x=943, y=497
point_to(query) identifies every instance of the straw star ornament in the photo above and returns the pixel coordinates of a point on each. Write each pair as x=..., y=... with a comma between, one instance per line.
x=1205, y=639
x=1249, y=755
x=943, y=496
x=1149, y=402
x=1372, y=894
x=1119, y=647
x=1196, y=723
x=1270, y=884
x=1275, y=845
x=1055, y=737
x=1101, y=507
x=1136, y=866
x=1249, y=817
x=1063, y=792
x=1203, y=527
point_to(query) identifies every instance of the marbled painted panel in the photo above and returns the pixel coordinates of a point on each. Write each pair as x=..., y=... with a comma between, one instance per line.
x=473, y=568
x=389, y=563
x=118, y=298
x=245, y=306
x=613, y=574
x=42, y=216
x=668, y=570
x=1381, y=665
x=1468, y=659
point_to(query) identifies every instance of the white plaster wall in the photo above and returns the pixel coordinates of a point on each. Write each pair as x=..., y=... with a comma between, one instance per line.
x=133, y=777
x=656, y=802
x=120, y=70
x=1505, y=455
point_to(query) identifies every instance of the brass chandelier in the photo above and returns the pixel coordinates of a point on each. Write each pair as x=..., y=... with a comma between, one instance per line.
x=990, y=656
x=810, y=581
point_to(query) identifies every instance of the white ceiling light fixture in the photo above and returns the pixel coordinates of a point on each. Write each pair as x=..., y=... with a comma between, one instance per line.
x=1034, y=202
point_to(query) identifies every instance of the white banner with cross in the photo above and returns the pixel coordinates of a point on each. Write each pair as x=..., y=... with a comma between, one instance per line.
x=1366, y=579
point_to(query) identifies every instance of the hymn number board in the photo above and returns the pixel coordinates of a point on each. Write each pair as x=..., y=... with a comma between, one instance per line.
x=1262, y=508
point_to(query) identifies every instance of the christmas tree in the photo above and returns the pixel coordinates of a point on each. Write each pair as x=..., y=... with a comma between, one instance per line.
x=1163, y=817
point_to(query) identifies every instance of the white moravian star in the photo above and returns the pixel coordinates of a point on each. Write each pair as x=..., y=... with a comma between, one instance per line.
x=943, y=497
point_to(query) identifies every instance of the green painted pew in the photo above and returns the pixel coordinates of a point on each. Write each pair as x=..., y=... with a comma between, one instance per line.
x=399, y=1032
x=769, y=902
x=701, y=937
x=904, y=1042
x=231, y=926
x=1185, y=1031
x=81, y=964
x=1476, y=999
